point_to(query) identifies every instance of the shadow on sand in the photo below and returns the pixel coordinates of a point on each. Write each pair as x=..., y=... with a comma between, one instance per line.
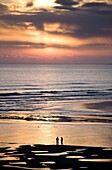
x=37, y=157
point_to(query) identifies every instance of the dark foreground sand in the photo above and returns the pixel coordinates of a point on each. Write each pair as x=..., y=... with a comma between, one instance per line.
x=37, y=157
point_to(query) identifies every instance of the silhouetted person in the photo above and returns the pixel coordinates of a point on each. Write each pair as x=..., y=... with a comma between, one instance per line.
x=57, y=141
x=61, y=140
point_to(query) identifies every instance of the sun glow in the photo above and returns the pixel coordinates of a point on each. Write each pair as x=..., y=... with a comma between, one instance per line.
x=44, y=3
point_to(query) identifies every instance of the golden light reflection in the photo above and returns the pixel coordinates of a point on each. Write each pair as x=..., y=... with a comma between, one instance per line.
x=24, y=132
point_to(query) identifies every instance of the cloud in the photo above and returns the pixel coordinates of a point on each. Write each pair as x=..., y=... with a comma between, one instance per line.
x=3, y=8
x=97, y=7
x=66, y=5
x=29, y=4
x=89, y=20
x=66, y=2
x=67, y=8
x=12, y=59
x=82, y=29
x=95, y=4
x=19, y=44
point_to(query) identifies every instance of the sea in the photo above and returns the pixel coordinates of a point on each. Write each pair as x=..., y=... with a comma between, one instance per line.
x=40, y=102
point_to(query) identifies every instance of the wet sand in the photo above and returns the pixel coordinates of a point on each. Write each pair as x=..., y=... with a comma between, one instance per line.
x=36, y=157
x=55, y=157
x=103, y=106
x=31, y=132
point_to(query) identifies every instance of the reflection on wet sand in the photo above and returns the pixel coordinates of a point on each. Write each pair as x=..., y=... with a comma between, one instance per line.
x=30, y=132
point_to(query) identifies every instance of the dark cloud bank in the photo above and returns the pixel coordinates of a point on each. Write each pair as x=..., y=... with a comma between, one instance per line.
x=90, y=20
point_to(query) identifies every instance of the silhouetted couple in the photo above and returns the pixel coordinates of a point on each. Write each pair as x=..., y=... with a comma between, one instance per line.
x=57, y=140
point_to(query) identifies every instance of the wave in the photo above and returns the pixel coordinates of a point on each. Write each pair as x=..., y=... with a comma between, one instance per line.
x=10, y=94
x=109, y=89
x=59, y=118
x=61, y=93
x=33, y=101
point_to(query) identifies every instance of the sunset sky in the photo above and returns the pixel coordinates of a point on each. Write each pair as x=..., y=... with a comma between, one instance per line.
x=56, y=31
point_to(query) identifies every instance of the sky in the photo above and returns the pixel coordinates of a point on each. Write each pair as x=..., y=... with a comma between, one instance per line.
x=56, y=31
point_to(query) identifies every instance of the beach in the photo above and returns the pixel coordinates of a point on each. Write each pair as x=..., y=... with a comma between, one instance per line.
x=73, y=103
x=102, y=105
x=55, y=157
x=31, y=145
x=88, y=130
